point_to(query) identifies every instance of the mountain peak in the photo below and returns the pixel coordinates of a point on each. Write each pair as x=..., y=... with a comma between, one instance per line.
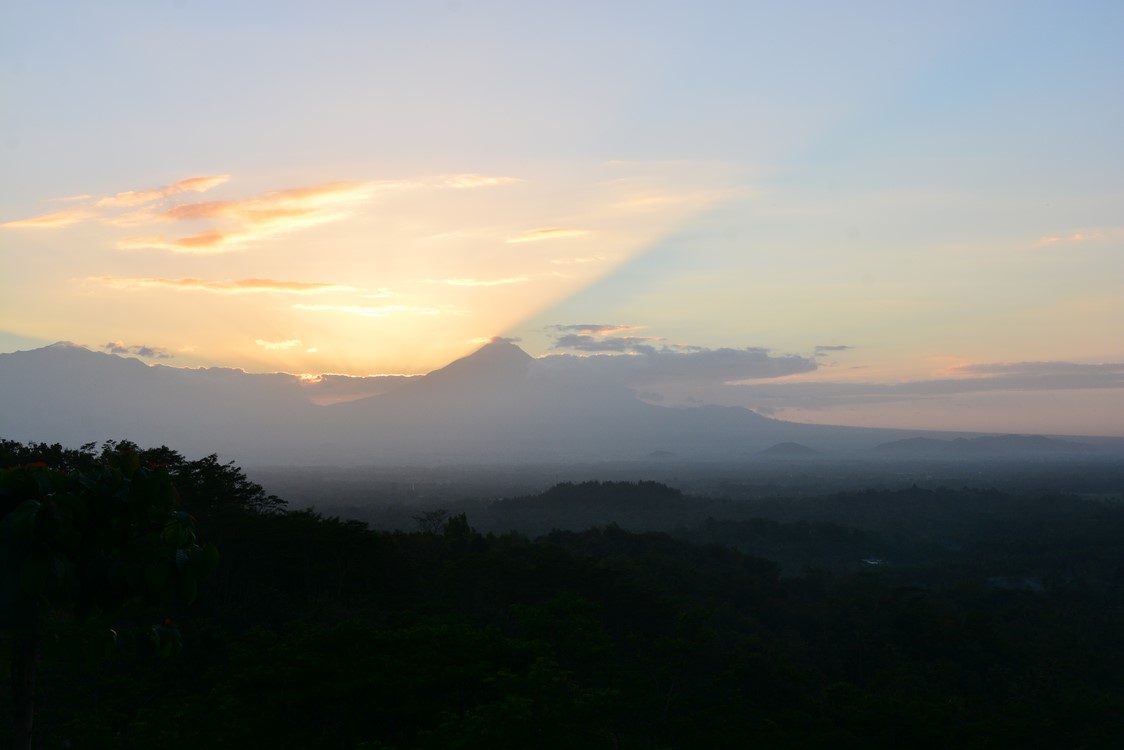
x=497, y=363
x=499, y=349
x=496, y=357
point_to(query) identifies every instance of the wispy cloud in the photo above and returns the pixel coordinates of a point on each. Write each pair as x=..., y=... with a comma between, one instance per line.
x=299, y=204
x=375, y=311
x=587, y=343
x=140, y=197
x=278, y=345
x=466, y=181
x=204, y=243
x=1075, y=237
x=479, y=282
x=228, y=225
x=245, y=221
x=547, y=233
x=602, y=329
x=232, y=286
x=100, y=208
x=55, y=219
x=822, y=350
x=1082, y=236
x=137, y=350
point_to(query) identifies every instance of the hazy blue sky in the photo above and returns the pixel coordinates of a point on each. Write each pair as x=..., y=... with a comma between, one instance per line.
x=922, y=203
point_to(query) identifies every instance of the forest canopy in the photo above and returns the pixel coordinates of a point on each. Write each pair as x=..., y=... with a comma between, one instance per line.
x=930, y=619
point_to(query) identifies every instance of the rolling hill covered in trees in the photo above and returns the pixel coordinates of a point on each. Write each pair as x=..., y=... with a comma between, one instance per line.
x=966, y=618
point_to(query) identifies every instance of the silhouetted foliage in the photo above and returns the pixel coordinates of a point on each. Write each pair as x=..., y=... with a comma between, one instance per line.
x=86, y=542
x=319, y=632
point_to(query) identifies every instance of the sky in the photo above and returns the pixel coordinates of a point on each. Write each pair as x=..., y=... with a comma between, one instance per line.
x=876, y=213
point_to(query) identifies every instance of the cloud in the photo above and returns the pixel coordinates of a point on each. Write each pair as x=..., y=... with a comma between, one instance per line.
x=47, y=221
x=251, y=220
x=638, y=360
x=822, y=350
x=203, y=243
x=234, y=286
x=666, y=365
x=232, y=223
x=479, y=282
x=138, y=350
x=592, y=328
x=596, y=337
x=140, y=197
x=1053, y=374
x=586, y=343
x=375, y=311
x=466, y=181
x=969, y=378
x=494, y=339
x=299, y=205
x=1075, y=237
x=278, y=345
x=548, y=233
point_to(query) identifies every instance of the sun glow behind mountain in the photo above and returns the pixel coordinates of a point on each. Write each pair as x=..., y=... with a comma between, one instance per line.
x=395, y=275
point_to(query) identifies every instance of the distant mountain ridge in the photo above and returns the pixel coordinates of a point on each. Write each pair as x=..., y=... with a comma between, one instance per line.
x=497, y=405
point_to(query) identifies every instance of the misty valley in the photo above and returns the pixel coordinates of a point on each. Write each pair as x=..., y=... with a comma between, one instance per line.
x=789, y=600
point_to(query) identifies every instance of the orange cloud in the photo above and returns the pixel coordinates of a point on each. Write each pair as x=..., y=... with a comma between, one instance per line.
x=242, y=221
x=138, y=197
x=56, y=219
x=233, y=286
x=549, y=233
x=257, y=218
x=205, y=242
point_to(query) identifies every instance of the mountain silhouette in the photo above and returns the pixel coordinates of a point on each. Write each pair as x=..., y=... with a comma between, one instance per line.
x=497, y=405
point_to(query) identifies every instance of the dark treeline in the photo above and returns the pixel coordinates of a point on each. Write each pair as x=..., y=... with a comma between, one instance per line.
x=913, y=618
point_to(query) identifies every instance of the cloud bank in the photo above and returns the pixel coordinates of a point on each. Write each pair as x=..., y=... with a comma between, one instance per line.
x=635, y=360
x=137, y=350
x=965, y=379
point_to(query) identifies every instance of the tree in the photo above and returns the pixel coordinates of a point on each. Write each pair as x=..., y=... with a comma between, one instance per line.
x=431, y=521
x=87, y=544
